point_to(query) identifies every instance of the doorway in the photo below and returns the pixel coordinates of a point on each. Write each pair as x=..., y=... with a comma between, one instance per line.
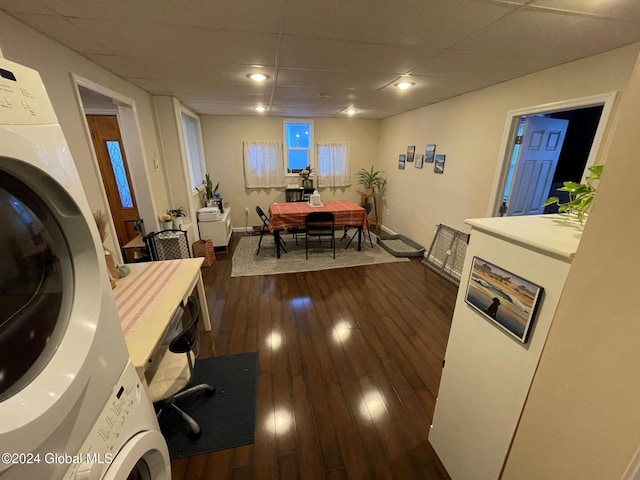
x=126, y=147
x=114, y=170
x=527, y=182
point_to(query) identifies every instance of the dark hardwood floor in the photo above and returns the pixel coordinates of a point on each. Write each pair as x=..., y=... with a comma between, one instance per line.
x=349, y=367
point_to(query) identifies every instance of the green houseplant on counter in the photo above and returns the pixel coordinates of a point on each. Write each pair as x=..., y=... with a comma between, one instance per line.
x=207, y=191
x=175, y=214
x=581, y=195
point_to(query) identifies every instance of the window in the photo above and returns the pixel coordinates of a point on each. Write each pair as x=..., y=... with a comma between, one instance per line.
x=193, y=147
x=298, y=139
x=334, y=165
x=263, y=165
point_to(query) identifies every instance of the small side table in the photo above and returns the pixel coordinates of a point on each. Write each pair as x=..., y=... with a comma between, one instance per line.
x=297, y=194
x=135, y=251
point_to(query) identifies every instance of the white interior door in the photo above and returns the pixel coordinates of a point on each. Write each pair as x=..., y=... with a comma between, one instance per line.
x=542, y=141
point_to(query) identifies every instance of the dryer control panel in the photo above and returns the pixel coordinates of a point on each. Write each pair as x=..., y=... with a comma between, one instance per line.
x=23, y=99
x=127, y=412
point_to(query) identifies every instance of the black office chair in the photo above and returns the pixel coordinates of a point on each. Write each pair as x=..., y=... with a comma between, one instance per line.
x=168, y=245
x=320, y=224
x=366, y=233
x=174, y=372
x=265, y=229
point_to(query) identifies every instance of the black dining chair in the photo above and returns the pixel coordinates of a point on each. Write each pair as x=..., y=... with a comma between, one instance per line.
x=265, y=229
x=168, y=245
x=171, y=382
x=366, y=233
x=320, y=224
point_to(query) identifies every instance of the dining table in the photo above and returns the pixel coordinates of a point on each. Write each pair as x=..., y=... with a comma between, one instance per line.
x=284, y=215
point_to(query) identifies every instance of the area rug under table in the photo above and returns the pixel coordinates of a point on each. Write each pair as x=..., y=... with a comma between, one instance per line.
x=227, y=419
x=246, y=263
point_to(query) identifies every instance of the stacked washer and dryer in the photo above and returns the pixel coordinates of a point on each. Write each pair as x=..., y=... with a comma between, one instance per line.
x=71, y=404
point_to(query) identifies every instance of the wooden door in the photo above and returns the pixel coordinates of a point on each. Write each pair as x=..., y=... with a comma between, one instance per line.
x=542, y=141
x=107, y=143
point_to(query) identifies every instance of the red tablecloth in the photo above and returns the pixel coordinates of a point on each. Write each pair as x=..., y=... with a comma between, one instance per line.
x=292, y=214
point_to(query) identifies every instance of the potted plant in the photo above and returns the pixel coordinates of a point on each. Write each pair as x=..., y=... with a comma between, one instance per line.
x=175, y=214
x=305, y=173
x=165, y=221
x=371, y=180
x=581, y=195
x=207, y=191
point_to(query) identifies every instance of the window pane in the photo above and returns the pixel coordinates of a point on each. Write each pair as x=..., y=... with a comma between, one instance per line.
x=117, y=165
x=194, y=154
x=298, y=135
x=298, y=159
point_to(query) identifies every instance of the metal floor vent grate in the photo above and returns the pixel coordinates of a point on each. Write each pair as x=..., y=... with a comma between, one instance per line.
x=446, y=254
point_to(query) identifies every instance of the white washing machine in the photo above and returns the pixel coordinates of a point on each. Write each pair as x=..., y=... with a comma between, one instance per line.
x=62, y=351
x=125, y=442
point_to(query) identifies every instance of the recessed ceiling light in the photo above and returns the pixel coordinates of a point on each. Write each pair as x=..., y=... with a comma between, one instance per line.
x=351, y=111
x=258, y=77
x=260, y=108
x=404, y=85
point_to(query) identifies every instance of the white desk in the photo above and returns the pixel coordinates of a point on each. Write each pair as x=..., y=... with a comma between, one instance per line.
x=147, y=298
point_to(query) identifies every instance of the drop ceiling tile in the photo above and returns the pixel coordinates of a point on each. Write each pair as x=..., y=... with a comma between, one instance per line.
x=145, y=67
x=461, y=64
x=434, y=23
x=426, y=91
x=553, y=35
x=246, y=15
x=305, y=110
x=312, y=92
x=332, y=80
x=349, y=56
x=199, y=85
x=26, y=6
x=65, y=33
x=222, y=109
x=207, y=97
x=137, y=39
x=623, y=9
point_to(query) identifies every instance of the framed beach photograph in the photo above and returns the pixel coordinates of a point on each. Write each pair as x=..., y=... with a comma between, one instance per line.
x=401, y=159
x=430, y=153
x=503, y=298
x=411, y=151
x=438, y=165
x=419, y=160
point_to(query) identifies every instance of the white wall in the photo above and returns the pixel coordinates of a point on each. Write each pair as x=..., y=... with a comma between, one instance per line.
x=223, y=137
x=469, y=130
x=54, y=62
x=582, y=418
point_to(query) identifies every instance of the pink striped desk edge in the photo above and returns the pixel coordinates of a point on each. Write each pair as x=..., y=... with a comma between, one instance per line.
x=133, y=302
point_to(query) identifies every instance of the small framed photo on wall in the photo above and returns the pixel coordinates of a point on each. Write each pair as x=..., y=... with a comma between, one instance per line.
x=430, y=153
x=411, y=151
x=438, y=166
x=503, y=297
x=419, y=160
x=401, y=160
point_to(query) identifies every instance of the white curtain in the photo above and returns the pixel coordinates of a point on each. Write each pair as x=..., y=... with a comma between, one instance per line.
x=263, y=165
x=334, y=169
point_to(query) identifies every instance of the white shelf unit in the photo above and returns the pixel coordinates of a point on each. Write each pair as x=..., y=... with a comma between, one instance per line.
x=218, y=231
x=487, y=374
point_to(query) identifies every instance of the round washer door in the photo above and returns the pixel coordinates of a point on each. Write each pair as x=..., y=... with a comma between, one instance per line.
x=144, y=457
x=35, y=280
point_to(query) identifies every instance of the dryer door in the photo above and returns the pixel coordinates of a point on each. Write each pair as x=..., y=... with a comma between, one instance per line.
x=144, y=457
x=34, y=259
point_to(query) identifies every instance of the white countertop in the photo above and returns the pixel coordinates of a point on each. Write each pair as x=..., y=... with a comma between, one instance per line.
x=555, y=235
